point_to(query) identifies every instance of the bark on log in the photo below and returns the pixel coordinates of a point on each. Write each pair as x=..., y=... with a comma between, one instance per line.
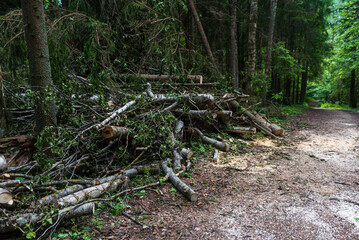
x=216, y=156
x=176, y=159
x=248, y=130
x=92, y=192
x=217, y=144
x=179, y=185
x=53, y=197
x=178, y=132
x=194, y=78
x=200, y=99
x=10, y=225
x=233, y=105
x=141, y=169
x=3, y=164
x=23, y=141
x=115, y=132
x=6, y=197
x=271, y=127
x=204, y=114
x=11, y=183
x=265, y=130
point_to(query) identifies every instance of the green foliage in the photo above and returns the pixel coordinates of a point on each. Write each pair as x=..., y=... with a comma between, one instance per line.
x=98, y=222
x=294, y=109
x=336, y=106
x=285, y=63
x=321, y=90
x=75, y=233
x=344, y=58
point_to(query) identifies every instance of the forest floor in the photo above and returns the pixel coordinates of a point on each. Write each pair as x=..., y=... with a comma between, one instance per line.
x=303, y=186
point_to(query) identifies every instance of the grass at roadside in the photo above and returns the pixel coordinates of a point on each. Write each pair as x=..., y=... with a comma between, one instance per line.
x=337, y=106
x=283, y=114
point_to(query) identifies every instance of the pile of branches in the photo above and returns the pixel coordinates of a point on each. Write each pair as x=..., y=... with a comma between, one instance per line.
x=148, y=133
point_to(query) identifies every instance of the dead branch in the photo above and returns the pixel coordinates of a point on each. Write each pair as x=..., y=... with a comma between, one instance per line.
x=217, y=144
x=179, y=185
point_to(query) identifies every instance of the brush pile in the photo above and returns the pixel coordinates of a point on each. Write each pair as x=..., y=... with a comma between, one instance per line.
x=101, y=142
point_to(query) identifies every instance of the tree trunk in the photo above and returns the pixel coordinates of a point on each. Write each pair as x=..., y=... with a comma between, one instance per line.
x=287, y=89
x=252, y=37
x=297, y=91
x=203, y=34
x=353, y=97
x=293, y=91
x=259, y=50
x=3, y=111
x=267, y=70
x=234, y=44
x=39, y=61
x=303, y=87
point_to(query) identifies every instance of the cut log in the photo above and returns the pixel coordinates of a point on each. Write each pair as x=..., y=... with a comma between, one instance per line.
x=215, y=143
x=265, y=130
x=11, y=183
x=23, y=141
x=234, y=105
x=9, y=225
x=194, y=78
x=3, y=164
x=176, y=159
x=115, y=132
x=271, y=127
x=203, y=114
x=6, y=197
x=186, y=153
x=276, y=130
x=178, y=132
x=93, y=192
x=179, y=185
x=53, y=197
x=216, y=156
x=198, y=99
x=245, y=130
x=153, y=168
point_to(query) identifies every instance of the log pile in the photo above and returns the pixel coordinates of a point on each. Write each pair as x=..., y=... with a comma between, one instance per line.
x=150, y=128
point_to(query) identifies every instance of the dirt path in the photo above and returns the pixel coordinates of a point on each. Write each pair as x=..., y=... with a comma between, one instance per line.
x=305, y=187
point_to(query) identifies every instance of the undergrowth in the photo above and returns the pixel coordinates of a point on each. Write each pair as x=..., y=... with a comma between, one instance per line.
x=337, y=106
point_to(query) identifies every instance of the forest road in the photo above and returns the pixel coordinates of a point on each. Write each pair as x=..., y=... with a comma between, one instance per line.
x=304, y=186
